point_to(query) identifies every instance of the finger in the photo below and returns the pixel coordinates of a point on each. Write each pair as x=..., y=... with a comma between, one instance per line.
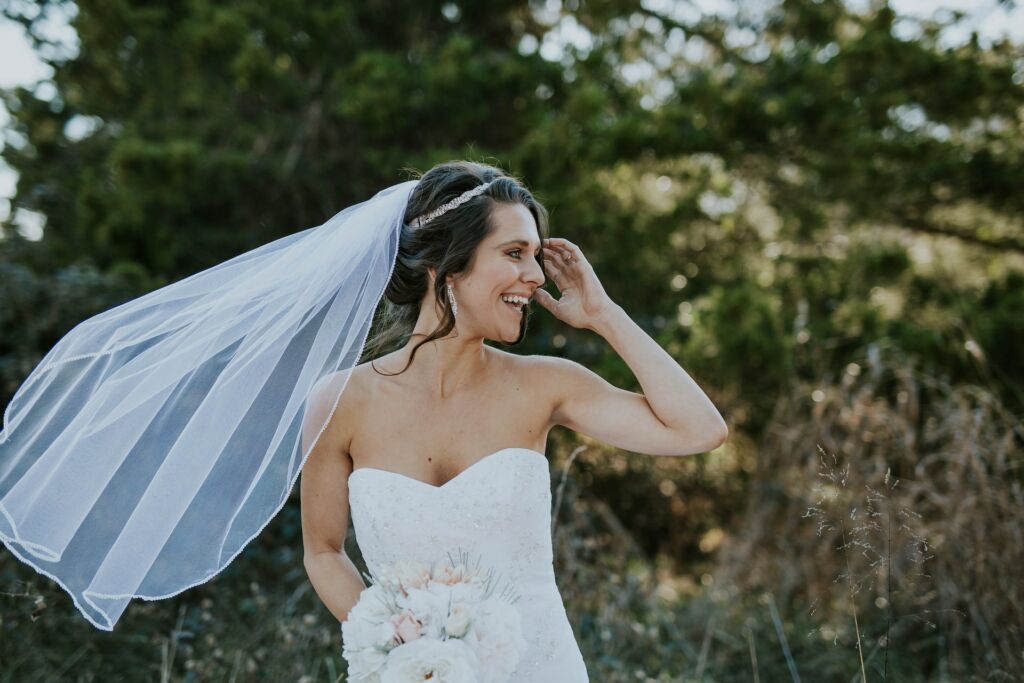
x=564, y=269
x=554, y=265
x=555, y=252
x=564, y=259
x=574, y=253
x=557, y=248
x=568, y=259
x=568, y=247
x=544, y=298
x=551, y=250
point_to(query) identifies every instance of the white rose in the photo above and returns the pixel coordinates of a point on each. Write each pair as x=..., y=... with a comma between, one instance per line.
x=466, y=592
x=365, y=665
x=437, y=661
x=496, y=637
x=460, y=615
x=358, y=633
x=461, y=607
x=372, y=605
x=443, y=595
x=365, y=647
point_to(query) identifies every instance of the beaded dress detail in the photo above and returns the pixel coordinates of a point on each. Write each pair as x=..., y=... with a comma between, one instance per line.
x=498, y=509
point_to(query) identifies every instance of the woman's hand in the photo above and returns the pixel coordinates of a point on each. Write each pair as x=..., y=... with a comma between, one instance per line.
x=584, y=301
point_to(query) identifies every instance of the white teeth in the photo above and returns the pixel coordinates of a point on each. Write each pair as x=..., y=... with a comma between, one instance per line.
x=515, y=300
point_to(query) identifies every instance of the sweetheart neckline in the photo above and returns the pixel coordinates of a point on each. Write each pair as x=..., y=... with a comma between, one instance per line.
x=442, y=486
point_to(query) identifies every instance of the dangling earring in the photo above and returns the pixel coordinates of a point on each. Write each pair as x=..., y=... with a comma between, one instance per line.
x=451, y=298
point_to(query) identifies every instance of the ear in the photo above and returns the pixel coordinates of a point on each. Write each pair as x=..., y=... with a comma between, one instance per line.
x=432, y=277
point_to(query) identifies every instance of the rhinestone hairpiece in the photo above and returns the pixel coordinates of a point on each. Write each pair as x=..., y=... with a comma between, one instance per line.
x=420, y=221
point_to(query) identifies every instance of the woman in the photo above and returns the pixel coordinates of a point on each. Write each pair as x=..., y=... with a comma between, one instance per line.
x=438, y=446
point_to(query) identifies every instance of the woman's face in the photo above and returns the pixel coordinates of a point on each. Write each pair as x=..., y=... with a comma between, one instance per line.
x=508, y=261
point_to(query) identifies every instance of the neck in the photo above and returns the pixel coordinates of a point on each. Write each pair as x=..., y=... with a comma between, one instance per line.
x=447, y=365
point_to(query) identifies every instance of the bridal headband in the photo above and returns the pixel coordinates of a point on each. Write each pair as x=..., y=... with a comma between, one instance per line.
x=420, y=221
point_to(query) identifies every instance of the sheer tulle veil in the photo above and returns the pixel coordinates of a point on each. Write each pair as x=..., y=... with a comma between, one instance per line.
x=156, y=439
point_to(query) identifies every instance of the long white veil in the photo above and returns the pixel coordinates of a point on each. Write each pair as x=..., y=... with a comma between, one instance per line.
x=158, y=438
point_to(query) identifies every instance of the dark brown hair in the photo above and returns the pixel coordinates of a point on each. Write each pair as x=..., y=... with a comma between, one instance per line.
x=447, y=243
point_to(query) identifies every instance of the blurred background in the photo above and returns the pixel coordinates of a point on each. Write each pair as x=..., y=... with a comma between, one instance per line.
x=815, y=206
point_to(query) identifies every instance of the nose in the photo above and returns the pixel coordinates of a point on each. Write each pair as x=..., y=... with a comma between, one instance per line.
x=535, y=273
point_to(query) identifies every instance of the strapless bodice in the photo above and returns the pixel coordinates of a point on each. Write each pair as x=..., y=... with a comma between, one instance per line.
x=524, y=452
x=498, y=511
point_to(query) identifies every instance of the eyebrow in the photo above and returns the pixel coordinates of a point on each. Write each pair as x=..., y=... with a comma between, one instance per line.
x=519, y=242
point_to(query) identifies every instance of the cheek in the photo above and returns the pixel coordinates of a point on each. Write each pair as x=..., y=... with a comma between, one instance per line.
x=497, y=277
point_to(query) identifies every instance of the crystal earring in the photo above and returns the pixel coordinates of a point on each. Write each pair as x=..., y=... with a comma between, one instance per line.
x=451, y=297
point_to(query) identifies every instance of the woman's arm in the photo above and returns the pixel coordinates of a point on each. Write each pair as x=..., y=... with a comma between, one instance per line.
x=672, y=395
x=336, y=581
x=672, y=416
x=324, y=503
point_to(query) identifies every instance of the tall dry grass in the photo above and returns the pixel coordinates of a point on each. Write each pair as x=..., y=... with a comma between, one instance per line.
x=892, y=495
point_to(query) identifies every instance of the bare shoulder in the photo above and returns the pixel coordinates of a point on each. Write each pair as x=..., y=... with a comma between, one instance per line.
x=551, y=369
x=333, y=395
x=563, y=381
x=520, y=365
x=548, y=376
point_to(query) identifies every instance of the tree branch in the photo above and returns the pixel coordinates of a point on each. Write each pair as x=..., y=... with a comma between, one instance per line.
x=917, y=224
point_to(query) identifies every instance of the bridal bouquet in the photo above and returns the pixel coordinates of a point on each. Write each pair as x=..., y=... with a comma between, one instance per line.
x=443, y=624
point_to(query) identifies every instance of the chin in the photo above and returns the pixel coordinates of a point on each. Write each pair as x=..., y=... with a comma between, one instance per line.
x=519, y=335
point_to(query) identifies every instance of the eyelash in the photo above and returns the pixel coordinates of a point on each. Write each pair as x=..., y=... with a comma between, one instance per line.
x=519, y=257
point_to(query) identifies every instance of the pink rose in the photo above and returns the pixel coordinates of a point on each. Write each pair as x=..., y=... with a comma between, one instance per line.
x=448, y=575
x=410, y=574
x=406, y=626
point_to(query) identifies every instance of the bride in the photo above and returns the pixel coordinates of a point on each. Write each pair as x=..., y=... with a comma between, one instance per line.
x=439, y=446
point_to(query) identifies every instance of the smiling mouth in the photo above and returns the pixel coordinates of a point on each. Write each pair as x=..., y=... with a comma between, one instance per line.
x=518, y=310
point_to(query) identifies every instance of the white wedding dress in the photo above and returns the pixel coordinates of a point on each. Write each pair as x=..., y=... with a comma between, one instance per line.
x=497, y=510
